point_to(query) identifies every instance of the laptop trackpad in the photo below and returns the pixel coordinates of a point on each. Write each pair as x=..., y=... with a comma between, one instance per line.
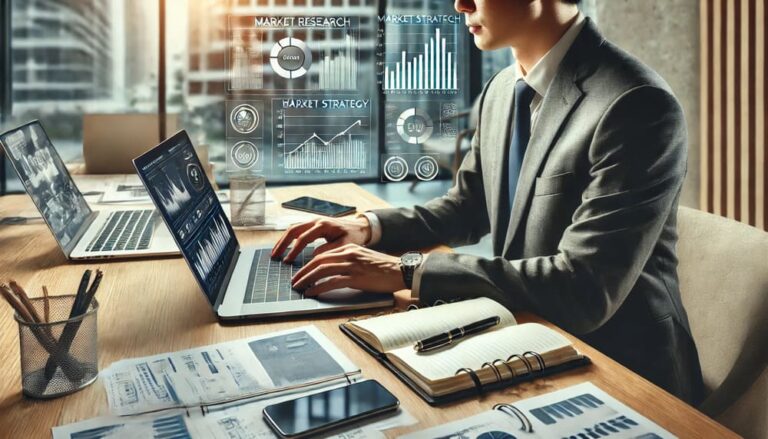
x=349, y=295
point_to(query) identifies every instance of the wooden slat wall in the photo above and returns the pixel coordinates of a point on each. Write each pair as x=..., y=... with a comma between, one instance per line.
x=733, y=110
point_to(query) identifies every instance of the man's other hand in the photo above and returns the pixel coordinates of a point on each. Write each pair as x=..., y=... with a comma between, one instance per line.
x=337, y=232
x=350, y=266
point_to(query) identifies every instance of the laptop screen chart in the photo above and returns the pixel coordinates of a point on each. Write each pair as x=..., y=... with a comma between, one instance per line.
x=186, y=200
x=43, y=174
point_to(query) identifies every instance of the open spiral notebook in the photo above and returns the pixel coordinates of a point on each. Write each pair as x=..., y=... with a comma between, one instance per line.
x=506, y=355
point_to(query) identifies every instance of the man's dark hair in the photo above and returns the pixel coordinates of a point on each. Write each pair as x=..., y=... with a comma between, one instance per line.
x=575, y=2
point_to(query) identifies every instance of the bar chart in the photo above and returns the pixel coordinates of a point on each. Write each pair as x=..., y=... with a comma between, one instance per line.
x=428, y=67
x=245, y=59
x=342, y=151
x=337, y=70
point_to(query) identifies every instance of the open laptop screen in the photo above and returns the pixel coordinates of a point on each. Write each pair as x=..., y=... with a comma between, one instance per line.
x=46, y=179
x=182, y=193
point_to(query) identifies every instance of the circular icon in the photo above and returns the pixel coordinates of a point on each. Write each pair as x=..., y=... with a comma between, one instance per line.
x=395, y=168
x=290, y=58
x=414, y=126
x=426, y=168
x=195, y=176
x=244, y=118
x=244, y=154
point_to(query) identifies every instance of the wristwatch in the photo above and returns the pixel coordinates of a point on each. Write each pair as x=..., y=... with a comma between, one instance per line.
x=409, y=262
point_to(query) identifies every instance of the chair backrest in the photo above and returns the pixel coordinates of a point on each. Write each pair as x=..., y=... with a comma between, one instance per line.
x=724, y=285
x=112, y=141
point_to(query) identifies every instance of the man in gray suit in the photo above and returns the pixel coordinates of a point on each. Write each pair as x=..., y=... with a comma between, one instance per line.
x=575, y=170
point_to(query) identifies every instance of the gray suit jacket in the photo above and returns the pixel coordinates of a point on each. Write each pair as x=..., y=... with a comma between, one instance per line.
x=590, y=241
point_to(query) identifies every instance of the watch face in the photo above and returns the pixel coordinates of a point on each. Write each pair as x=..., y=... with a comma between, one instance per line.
x=411, y=259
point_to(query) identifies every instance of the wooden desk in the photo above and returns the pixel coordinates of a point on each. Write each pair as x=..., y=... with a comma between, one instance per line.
x=154, y=306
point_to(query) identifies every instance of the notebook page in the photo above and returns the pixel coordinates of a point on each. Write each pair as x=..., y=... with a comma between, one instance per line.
x=406, y=328
x=475, y=351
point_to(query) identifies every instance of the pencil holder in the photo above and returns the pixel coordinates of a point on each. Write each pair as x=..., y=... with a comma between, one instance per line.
x=61, y=356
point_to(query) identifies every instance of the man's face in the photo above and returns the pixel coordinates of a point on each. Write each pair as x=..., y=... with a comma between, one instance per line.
x=496, y=23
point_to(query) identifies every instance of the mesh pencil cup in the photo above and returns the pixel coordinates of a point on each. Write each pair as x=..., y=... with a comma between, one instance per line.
x=59, y=357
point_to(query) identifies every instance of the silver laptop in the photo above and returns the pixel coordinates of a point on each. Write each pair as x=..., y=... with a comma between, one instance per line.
x=80, y=232
x=238, y=282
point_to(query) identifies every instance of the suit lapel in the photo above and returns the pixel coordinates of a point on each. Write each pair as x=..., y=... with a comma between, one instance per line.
x=562, y=97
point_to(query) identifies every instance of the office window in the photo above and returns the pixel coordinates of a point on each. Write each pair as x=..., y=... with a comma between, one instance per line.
x=75, y=57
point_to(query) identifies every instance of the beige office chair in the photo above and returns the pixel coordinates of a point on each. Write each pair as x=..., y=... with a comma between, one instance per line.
x=724, y=284
x=112, y=141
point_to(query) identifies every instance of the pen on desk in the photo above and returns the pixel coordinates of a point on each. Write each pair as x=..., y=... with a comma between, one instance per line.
x=446, y=338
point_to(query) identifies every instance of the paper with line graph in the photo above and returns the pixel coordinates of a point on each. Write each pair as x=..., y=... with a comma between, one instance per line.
x=215, y=375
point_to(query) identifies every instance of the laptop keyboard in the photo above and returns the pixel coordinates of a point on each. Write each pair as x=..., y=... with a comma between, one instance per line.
x=125, y=230
x=270, y=280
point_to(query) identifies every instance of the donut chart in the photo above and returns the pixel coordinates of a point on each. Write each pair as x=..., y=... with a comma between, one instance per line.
x=415, y=126
x=290, y=58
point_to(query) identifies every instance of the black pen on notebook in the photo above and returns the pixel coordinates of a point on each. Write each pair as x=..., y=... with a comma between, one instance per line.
x=446, y=338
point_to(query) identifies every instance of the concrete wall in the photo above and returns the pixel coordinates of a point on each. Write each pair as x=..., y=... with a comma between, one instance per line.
x=665, y=35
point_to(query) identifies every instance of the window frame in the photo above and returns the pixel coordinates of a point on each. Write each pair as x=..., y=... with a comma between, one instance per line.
x=6, y=71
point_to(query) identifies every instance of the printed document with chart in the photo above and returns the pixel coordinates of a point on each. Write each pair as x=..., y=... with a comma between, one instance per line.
x=226, y=372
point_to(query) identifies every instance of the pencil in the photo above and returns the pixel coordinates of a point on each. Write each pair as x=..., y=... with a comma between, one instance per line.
x=24, y=299
x=46, y=305
x=18, y=307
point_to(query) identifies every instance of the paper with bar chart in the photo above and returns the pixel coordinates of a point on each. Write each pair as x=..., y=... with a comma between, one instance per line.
x=322, y=140
x=421, y=59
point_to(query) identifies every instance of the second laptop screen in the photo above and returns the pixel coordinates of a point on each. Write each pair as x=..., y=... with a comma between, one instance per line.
x=181, y=191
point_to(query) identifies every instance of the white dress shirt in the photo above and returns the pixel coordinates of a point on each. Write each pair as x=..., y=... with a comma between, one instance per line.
x=539, y=78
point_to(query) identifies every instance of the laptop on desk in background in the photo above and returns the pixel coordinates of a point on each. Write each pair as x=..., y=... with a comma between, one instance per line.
x=80, y=232
x=239, y=283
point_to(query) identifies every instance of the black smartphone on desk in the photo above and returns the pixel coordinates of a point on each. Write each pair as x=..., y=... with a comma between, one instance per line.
x=320, y=412
x=320, y=207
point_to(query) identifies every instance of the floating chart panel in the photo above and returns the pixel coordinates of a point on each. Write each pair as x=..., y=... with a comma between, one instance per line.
x=322, y=136
x=245, y=135
x=420, y=54
x=294, y=53
x=412, y=124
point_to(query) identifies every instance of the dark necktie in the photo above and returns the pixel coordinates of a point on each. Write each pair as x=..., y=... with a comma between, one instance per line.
x=521, y=134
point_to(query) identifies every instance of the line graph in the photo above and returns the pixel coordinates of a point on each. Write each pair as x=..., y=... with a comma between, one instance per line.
x=357, y=123
x=313, y=141
x=342, y=151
